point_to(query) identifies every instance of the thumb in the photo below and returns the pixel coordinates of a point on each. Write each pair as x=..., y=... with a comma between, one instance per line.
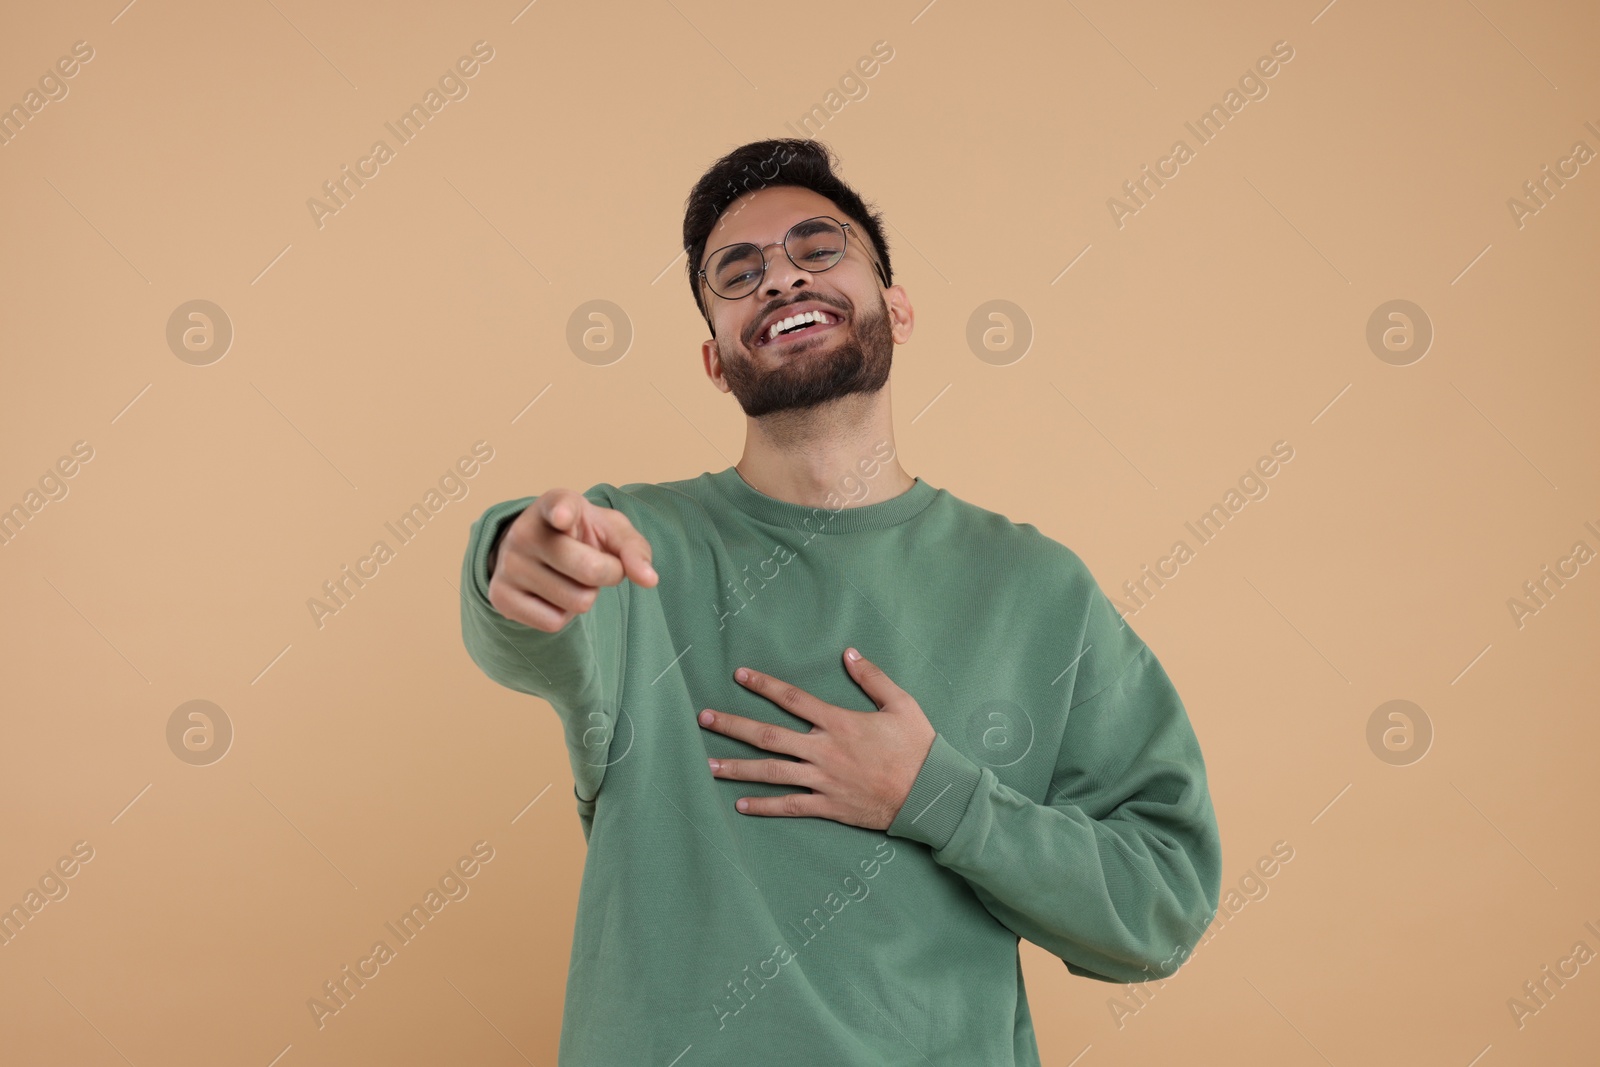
x=871, y=678
x=561, y=508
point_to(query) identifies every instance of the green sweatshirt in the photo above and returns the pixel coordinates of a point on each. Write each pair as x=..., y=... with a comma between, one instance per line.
x=1064, y=799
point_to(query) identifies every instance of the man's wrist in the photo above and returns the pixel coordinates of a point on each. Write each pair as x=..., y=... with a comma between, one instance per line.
x=939, y=797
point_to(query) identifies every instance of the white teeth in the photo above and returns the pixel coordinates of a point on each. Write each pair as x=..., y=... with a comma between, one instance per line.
x=793, y=320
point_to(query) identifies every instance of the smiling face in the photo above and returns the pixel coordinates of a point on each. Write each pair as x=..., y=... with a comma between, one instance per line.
x=848, y=349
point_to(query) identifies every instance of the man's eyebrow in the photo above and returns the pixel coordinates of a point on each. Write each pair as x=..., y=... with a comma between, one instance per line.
x=716, y=261
x=807, y=227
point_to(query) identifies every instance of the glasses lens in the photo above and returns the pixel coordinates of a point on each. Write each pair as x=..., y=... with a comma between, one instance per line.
x=815, y=244
x=735, y=271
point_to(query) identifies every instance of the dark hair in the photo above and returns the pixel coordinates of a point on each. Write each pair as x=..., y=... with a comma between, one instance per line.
x=757, y=165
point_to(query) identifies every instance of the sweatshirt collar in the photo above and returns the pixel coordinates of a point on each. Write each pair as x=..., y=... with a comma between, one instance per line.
x=845, y=518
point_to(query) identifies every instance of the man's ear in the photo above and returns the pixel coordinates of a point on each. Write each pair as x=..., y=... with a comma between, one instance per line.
x=901, y=315
x=713, y=366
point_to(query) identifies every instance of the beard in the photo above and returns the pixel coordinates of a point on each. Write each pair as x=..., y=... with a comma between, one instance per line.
x=852, y=357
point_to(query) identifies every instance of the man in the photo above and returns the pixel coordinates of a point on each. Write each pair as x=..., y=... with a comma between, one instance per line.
x=1005, y=759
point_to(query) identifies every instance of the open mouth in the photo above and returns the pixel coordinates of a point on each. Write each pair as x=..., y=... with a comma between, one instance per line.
x=800, y=330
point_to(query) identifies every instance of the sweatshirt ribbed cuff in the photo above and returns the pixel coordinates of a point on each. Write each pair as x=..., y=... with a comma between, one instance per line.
x=939, y=797
x=476, y=572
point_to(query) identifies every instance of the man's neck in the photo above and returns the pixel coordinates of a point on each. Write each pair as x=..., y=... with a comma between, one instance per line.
x=827, y=458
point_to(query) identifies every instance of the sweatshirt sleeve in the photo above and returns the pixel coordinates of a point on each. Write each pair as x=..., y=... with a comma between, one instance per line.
x=577, y=670
x=1119, y=872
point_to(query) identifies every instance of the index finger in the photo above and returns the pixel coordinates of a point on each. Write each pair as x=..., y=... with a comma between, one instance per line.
x=623, y=540
x=786, y=695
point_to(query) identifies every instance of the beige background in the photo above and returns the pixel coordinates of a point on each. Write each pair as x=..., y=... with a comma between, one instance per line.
x=368, y=355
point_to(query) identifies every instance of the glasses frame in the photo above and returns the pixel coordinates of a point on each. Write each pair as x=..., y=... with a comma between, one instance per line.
x=761, y=250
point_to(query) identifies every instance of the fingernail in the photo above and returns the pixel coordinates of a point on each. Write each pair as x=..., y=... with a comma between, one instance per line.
x=706, y=718
x=713, y=764
x=851, y=654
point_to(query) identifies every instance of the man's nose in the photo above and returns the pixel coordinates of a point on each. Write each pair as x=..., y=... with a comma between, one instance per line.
x=782, y=274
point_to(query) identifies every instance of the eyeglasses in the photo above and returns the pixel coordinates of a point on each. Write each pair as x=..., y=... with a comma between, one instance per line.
x=814, y=244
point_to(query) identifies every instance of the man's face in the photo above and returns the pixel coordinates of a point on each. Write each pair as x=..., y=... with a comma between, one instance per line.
x=823, y=362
